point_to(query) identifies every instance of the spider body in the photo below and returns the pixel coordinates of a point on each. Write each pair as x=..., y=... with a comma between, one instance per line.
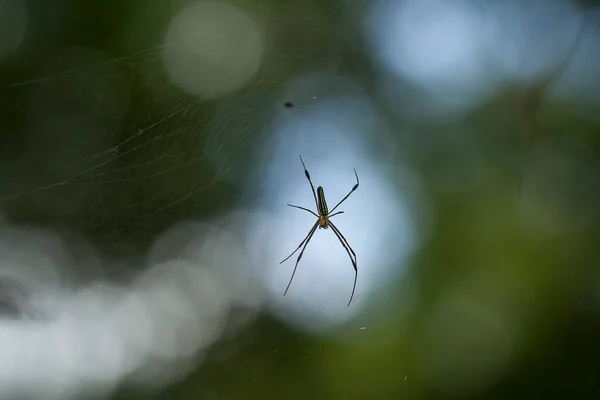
x=323, y=222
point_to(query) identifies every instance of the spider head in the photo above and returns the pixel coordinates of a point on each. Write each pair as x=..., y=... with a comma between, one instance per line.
x=323, y=222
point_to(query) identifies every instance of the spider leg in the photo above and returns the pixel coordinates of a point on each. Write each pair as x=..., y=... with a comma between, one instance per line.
x=348, y=195
x=307, y=239
x=301, y=243
x=305, y=209
x=346, y=245
x=309, y=181
x=335, y=228
x=333, y=215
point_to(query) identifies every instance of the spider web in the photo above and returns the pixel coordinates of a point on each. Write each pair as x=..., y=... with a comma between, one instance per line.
x=99, y=140
x=114, y=146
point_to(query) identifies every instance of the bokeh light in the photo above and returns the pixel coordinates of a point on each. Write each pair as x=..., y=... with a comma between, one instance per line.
x=212, y=49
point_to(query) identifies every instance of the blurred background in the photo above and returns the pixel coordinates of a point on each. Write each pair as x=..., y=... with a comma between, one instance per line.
x=148, y=150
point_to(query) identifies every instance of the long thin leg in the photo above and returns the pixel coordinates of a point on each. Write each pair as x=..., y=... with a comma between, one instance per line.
x=301, y=243
x=305, y=209
x=348, y=195
x=335, y=228
x=310, y=235
x=346, y=246
x=333, y=215
x=309, y=181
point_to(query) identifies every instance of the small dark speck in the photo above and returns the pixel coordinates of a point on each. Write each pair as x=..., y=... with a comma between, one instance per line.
x=289, y=105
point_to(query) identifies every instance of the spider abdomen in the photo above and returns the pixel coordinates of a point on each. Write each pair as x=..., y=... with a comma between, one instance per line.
x=321, y=203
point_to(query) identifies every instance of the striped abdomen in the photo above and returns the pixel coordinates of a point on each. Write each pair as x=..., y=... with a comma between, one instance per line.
x=323, y=210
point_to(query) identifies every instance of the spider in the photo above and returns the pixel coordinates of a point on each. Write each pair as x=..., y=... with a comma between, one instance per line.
x=323, y=221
